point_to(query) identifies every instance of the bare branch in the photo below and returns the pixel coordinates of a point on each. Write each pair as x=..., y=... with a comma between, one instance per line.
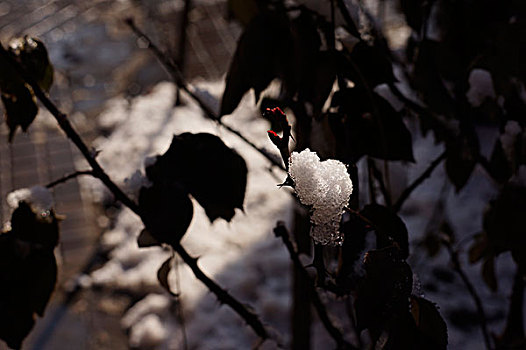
x=172, y=68
x=69, y=177
x=97, y=171
x=427, y=173
x=66, y=126
x=223, y=296
x=453, y=254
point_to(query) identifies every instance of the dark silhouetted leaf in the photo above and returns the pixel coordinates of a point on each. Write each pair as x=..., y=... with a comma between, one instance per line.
x=162, y=275
x=479, y=248
x=308, y=68
x=318, y=81
x=366, y=129
x=28, y=271
x=488, y=273
x=167, y=213
x=20, y=109
x=513, y=336
x=428, y=82
x=432, y=244
x=243, y=10
x=373, y=65
x=505, y=223
x=461, y=153
x=431, y=326
x=146, y=239
x=500, y=167
x=33, y=55
x=205, y=167
x=385, y=290
x=414, y=13
x=389, y=228
x=261, y=56
x=355, y=232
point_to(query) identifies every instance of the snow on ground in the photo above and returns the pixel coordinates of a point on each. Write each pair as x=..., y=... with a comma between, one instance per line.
x=243, y=256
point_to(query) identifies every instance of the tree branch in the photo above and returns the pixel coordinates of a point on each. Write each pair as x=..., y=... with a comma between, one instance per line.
x=97, y=171
x=223, y=296
x=174, y=71
x=427, y=173
x=471, y=289
x=69, y=177
x=281, y=232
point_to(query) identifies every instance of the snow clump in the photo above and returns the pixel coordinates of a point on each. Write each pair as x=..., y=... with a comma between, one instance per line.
x=39, y=197
x=326, y=187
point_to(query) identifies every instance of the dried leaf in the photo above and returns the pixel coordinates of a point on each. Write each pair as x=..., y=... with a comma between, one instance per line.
x=146, y=239
x=488, y=273
x=461, y=153
x=162, y=275
x=389, y=228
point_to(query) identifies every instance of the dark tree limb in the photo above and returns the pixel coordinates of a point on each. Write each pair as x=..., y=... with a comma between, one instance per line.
x=453, y=254
x=281, y=232
x=97, y=171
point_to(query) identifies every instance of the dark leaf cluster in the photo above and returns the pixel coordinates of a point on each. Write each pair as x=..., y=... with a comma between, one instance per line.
x=17, y=96
x=28, y=271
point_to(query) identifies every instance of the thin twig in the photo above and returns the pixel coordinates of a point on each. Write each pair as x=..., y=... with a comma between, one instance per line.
x=69, y=177
x=63, y=122
x=378, y=176
x=174, y=71
x=281, y=232
x=471, y=289
x=427, y=173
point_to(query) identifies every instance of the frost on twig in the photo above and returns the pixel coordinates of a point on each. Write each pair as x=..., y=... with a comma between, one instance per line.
x=326, y=187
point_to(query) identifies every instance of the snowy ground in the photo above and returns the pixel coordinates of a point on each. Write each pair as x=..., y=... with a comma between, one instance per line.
x=243, y=255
